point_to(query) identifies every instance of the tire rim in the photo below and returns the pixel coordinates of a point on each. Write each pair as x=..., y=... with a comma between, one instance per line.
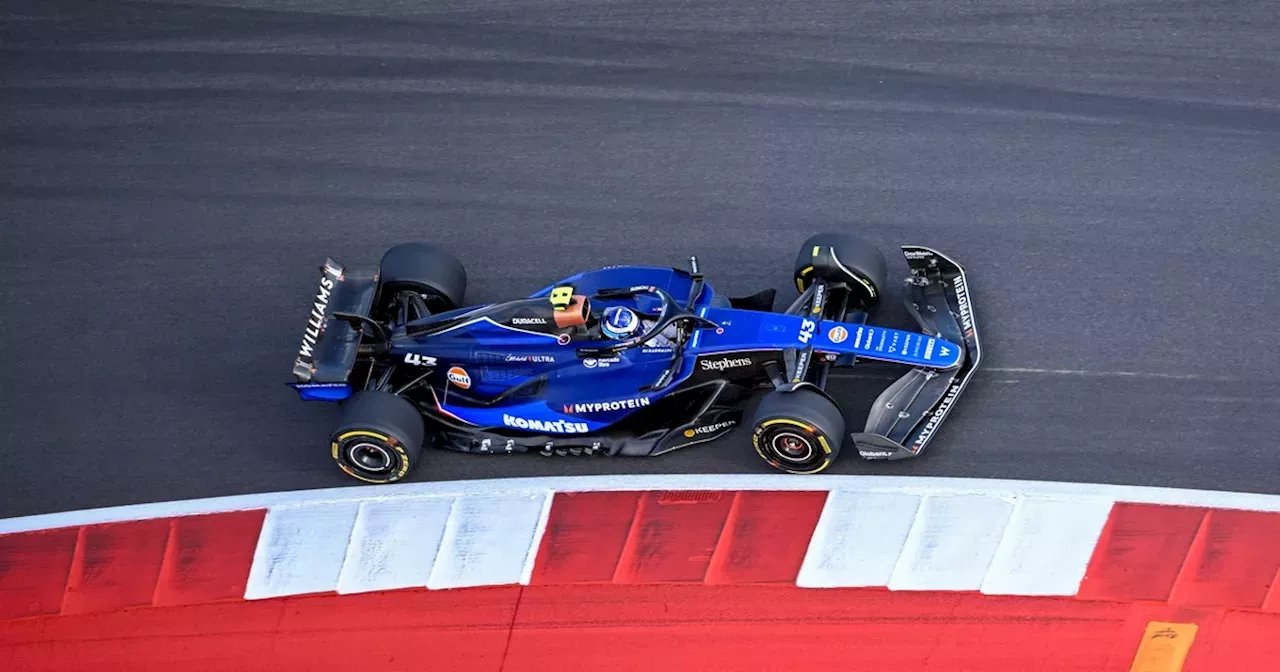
x=370, y=457
x=792, y=447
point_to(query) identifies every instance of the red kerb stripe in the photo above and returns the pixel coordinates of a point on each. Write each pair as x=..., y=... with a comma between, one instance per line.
x=208, y=557
x=33, y=571
x=1140, y=552
x=585, y=534
x=766, y=537
x=115, y=566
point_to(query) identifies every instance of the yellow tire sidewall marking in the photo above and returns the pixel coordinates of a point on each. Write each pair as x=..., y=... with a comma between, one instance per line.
x=391, y=443
x=755, y=440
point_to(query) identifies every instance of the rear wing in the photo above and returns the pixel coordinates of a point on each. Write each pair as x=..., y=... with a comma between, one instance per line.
x=907, y=415
x=329, y=346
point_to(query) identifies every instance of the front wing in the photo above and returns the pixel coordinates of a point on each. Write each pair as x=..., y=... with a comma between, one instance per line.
x=907, y=415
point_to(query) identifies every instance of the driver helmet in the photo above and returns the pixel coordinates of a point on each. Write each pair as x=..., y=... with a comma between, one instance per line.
x=619, y=322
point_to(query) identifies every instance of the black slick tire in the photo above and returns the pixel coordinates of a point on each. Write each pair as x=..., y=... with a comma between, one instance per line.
x=428, y=270
x=799, y=432
x=846, y=258
x=379, y=437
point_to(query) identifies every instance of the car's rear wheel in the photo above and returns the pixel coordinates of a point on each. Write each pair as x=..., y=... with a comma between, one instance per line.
x=379, y=437
x=842, y=257
x=799, y=432
x=430, y=271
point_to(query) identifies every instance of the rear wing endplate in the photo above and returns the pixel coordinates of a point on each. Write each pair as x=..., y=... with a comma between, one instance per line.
x=329, y=346
x=907, y=415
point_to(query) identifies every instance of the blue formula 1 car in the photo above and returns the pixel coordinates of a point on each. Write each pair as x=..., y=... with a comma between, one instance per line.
x=628, y=360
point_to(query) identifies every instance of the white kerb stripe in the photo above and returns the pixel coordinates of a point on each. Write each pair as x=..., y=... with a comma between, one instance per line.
x=487, y=540
x=1046, y=547
x=394, y=544
x=951, y=543
x=301, y=550
x=858, y=539
x=918, y=485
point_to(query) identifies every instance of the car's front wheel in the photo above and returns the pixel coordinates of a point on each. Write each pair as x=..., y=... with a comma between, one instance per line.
x=379, y=437
x=799, y=432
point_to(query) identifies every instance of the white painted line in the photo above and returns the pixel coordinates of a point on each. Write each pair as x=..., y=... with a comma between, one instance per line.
x=1046, y=547
x=301, y=550
x=529, y=486
x=952, y=543
x=858, y=540
x=394, y=544
x=487, y=540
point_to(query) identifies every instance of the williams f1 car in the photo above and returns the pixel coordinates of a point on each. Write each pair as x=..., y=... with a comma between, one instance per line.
x=628, y=360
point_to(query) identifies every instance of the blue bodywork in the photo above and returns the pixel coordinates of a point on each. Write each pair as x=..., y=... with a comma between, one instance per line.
x=543, y=384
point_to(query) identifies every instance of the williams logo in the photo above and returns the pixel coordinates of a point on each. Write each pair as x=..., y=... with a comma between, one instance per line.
x=722, y=364
x=459, y=376
x=316, y=320
x=602, y=406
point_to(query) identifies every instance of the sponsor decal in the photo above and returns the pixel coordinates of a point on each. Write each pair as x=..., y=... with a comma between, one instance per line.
x=601, y=362
x=315, y=321
x=563, y=339
x=874, y=453
x=419, y=360
x=528, y=320
x=818, y=295
x=857, y=341
x=552, y=426
x=806, y=330
x=932, y=426
x=603, y=406
x=459, y=376
x=709, y=429
x=648, y=350
x=917, y=254
x=723, y=364
x=529, y=358
x=962, y=297
x=802, y=363
x=838, y=334
x=896, y=337
x=642, y=288
x=928, y=349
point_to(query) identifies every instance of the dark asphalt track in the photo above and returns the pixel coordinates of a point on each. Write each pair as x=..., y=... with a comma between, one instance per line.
x=172, y=175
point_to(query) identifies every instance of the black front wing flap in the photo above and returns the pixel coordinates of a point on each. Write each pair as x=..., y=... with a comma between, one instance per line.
x=907, y=415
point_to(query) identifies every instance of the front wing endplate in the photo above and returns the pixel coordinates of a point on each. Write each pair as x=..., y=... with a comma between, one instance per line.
x=907, y=415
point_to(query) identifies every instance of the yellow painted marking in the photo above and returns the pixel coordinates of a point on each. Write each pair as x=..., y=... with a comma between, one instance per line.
x=816, y=248
x=1164, y=647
